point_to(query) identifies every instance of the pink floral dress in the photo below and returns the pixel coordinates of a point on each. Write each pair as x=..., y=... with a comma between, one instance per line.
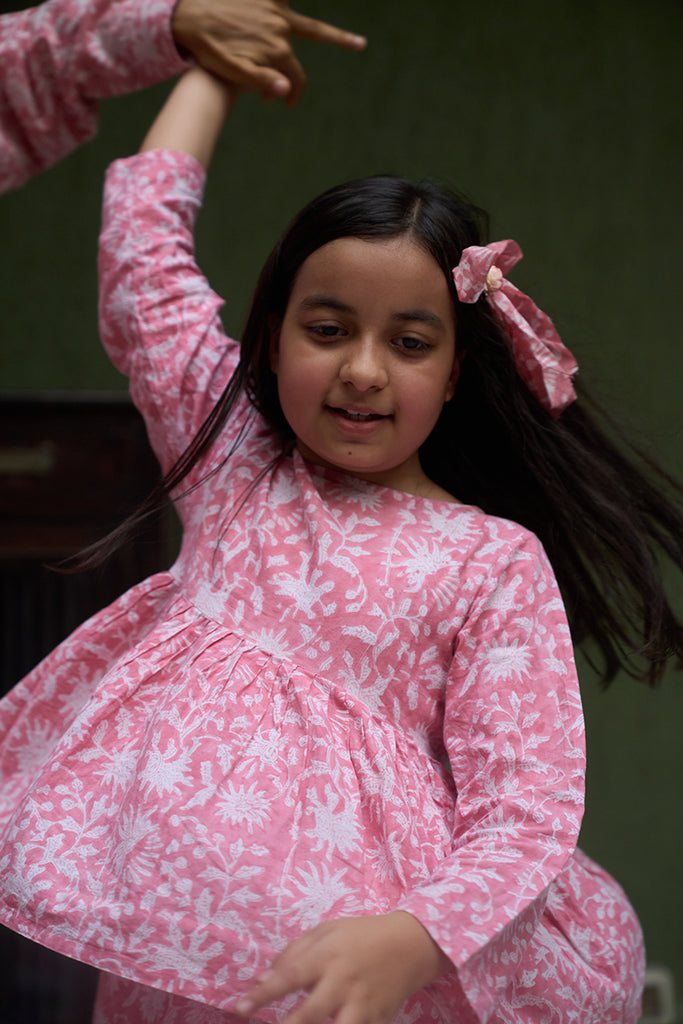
x=256, y=740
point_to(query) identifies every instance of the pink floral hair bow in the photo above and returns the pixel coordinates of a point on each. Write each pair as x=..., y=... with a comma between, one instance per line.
x=543, y=362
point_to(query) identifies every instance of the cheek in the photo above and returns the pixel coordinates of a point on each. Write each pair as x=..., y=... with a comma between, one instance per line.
x=300, y=389
x=427, y=390
x=303, y=369
x=421, y=412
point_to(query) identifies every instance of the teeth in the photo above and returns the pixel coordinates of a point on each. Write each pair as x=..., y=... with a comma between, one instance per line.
x=359, y=415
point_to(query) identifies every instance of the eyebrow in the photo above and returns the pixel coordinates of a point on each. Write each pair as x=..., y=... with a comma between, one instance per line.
x=425, y=316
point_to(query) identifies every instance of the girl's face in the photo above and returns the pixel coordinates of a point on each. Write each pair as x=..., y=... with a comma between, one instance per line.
x=365, y=358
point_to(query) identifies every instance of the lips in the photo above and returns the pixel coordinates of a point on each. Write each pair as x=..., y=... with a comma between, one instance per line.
x=358, y=415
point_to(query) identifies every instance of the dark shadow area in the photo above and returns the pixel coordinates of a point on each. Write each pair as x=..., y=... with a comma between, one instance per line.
x=71, y=467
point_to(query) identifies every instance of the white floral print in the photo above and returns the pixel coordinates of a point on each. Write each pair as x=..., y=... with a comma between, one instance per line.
x=292, y=693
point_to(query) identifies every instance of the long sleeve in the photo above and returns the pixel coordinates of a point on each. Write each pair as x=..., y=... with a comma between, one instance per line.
x=58, y=59
x=159, y=319
x=514, y=736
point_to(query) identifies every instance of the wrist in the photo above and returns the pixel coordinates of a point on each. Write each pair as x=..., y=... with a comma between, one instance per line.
x=192, y=117
x=428, y=959
x=183, y=29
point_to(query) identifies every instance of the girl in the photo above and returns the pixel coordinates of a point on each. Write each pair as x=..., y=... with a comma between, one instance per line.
x=331, y=765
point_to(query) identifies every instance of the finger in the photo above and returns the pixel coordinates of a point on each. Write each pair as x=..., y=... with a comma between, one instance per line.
x=320, y=1006
x=296, y=76
x=245, y=73
x=270, y=985
x=291, y=971
x=270, y=81
x=322, y=1003
x=322, y=32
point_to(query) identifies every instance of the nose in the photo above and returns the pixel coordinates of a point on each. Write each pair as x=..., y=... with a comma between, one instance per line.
x=364, y=366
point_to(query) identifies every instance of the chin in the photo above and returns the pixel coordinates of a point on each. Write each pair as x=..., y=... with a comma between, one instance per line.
x=360, y=467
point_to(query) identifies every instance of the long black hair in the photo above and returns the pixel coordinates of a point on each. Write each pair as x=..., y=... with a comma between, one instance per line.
x=601, y=512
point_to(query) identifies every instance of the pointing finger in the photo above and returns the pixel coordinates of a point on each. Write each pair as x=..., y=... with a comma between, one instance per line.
x=322, y=32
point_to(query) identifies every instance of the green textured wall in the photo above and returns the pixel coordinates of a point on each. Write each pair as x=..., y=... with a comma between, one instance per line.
x=563, y=120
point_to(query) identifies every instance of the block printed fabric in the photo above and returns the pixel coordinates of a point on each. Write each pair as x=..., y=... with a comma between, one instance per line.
x=58, y=59
x=255, y=741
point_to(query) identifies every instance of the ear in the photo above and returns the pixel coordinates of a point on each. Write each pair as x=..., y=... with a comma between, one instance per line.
x=274, y=342
x=455, y=373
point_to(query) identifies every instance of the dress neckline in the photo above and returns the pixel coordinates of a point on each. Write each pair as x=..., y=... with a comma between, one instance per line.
x=347, y=481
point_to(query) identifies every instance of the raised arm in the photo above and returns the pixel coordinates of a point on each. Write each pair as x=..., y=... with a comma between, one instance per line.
x=57, y=60
x=159, y=317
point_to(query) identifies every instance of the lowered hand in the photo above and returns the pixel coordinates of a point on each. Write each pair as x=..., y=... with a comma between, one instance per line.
x=356, y=970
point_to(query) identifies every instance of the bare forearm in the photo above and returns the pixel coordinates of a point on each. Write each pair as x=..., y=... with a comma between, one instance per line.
x=192, y=117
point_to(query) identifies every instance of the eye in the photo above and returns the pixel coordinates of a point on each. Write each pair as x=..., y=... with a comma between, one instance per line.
x=411, y=346
x=326, y=331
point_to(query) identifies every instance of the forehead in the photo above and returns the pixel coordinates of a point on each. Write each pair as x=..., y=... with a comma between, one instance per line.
x=385, y=275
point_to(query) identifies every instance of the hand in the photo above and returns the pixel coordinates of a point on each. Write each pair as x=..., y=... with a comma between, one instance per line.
x=247, y=42
x=357, y=970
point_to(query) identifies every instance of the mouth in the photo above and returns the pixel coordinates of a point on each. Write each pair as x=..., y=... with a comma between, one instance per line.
x=357, y=416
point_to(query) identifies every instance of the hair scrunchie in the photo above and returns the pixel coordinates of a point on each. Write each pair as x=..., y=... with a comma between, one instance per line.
x=543, y=361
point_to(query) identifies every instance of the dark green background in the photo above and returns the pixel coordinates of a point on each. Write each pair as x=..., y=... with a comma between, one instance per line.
x=563, y=120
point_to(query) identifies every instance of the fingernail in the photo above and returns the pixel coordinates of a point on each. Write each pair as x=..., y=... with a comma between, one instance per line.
x=360, y=42
x=243, y=1006
x=266, y=976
